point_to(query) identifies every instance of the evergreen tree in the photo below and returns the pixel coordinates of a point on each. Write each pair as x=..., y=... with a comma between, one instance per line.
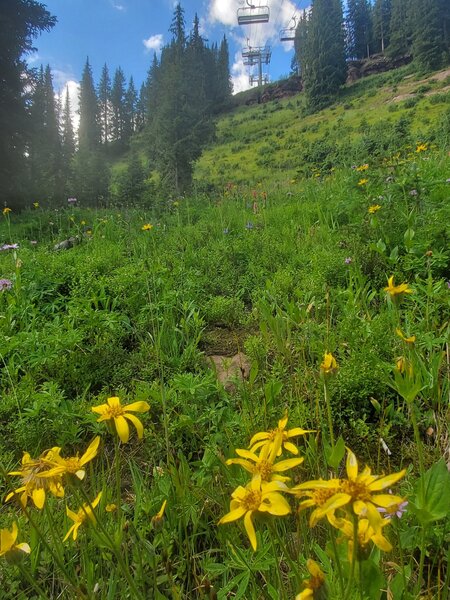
x=359, y=28
x=141, y=108
x=326, y=67
x=44, y=148
x=89, y=130
x=430, y=47
x=381, y=24
x=104, y=102
x=118, y=114
x=67, y=144
x=20, y=22
x=131, y=108
x=224, y=83
x=400, y=27
x=301, y=44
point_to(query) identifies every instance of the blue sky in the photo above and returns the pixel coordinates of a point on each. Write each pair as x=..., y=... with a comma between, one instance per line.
x=126, y=33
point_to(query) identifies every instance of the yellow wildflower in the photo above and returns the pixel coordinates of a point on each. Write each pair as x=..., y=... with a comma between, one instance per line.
x=264, y=465
x=257, y=497
x=74, y=464
x=263, y=437
x=6, y=210
x=363, y=181
x=36, y=204
x=366, y=534
x=114, y=410
x=78, y=518
x=147, y=227
x=404, y=366
x=409, y=340
x=397, y=290
x=328, y=364
x=362, y=168
x=8, y=547
x=111, y=507
x=35, y=480
x=357, y=490
x=157, y=519
x=422, y=148
x=373, y=209
x=315, y=582
x=82, y=222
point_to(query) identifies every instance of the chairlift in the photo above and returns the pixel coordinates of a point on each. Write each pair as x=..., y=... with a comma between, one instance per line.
x=252, y=14
x=288, y=34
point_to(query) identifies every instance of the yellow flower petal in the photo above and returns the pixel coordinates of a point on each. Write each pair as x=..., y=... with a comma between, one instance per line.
x=233, y=515
x=140, y=406
x=249, y=528
x=384, y=482
x=287, y=464
x=136, y=423
x=38, y=496
x=351, y=465
x=123, y=431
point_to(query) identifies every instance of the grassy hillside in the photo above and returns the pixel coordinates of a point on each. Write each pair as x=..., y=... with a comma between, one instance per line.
x=330, y=281
x=279, y=141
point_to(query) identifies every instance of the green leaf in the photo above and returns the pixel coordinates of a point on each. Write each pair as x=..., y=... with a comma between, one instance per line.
x=335, y=453
x=432, y=490
x=372, y=579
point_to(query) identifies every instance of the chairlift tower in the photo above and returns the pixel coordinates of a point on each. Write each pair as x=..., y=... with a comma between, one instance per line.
x=252, y=14
x=258, y=56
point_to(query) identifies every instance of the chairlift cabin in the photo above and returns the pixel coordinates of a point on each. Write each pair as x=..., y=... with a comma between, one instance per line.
x=288, y=34
x=252, y=14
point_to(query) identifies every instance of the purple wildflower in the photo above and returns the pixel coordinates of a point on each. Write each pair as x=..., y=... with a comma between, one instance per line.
x=33, y=242
x=226, y=231
x=9, y=247
x=448, y=284
x=71, y=200
x=348, y=260
x=5, y=284
x=249, y=225
x=413, y=193
x=397, y=510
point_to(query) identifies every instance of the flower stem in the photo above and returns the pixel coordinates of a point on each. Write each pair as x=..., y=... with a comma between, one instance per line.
x=355, y=550
x=33, y=583
x=329, y=415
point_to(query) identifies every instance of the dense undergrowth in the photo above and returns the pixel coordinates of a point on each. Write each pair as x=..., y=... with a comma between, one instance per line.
x=287, y=273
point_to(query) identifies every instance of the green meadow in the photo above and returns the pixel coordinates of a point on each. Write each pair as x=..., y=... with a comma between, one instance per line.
x=315, y=247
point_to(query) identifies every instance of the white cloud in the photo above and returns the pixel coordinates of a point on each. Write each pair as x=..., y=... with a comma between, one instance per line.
x=239, y=75
x=154, y=42
x=117, y=5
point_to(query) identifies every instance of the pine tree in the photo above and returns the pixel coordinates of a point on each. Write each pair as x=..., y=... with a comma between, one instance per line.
x=224, y=82
x=326, y=67
x=67, y=144
x=429, y=46
x=89, y=130
x=400, y=27
x=359, y=28
x=130, y=105
x=141, y=108
x=381, y=24
x=301, y=44
x=118, y=110
x=44, y=148
x=20, y=22
x=104, y=102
